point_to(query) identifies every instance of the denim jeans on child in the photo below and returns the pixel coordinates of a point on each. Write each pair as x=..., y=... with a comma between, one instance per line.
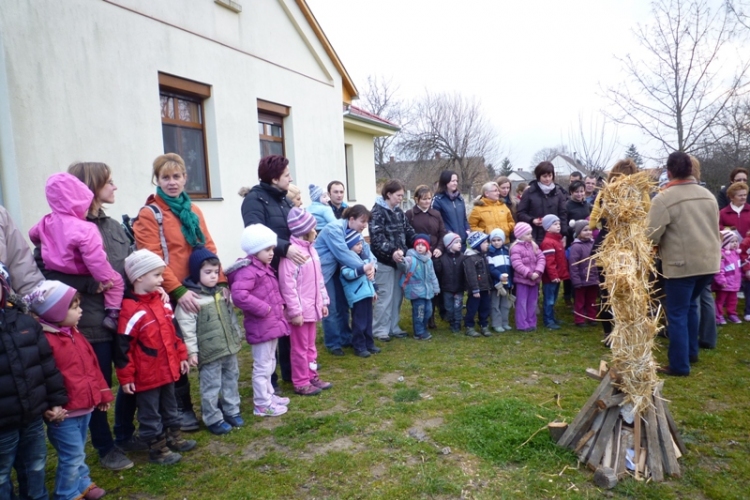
x=69, y=439
x=336, y=330
x=362, y=325
x=550, y=291
x=421, y=312
x=454, y=304
x=25, y=449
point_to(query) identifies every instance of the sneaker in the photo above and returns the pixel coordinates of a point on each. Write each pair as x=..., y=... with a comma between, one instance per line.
x=238, y=421
x=93, y=492
x=132, y=444
x=374, y=350
x=426, y=336
x=270, y=411
x=721, y=321
x=307, y=390
x=278, y=400
x=581, y=325
x=470, y=332
x=747, y=317
x=553, y=326
x=219, y=428
x=320, y=384
x=383, y=339
x=336, y=352
x=507, y=328
x=455, y=330
x=398, y=335
x=734, y=319
x=188, y=421
x=362, y=354
x=498, y=329
x=486, y=331
x=115, y=460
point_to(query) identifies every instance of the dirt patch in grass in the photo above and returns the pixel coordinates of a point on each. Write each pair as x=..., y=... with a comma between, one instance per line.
x=378, y=471
x=338, y=408
x=390, y=378
x=713, y=406
x=430, y=423
x=532, y=379
x=341, y=444
x=268, y=423
x=220, y=448
x=261, y=447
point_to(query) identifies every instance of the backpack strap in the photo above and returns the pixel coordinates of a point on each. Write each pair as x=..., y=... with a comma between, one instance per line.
x=406, y=277
x=160, y=220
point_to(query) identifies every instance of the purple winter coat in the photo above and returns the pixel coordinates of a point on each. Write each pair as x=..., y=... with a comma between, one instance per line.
x=729, y=278
x=255, y=290
x=526, y=259
x=582, y=272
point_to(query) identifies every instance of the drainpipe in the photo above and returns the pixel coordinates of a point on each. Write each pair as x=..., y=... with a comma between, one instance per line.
x=9, y=188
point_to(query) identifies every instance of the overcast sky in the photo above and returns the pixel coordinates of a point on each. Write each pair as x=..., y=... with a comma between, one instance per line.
x=535, y=65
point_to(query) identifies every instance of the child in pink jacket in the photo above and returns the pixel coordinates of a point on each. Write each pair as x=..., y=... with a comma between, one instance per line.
x=255, y=290
x=727, y=283
x=304, y=293
x=528, y=265
x=72, y=245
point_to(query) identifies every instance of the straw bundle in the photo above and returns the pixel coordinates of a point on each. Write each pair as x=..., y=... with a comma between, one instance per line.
x=626, y=256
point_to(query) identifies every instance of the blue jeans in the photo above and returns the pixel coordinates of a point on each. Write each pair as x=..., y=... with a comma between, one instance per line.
x=481, y=305
x=707, y=324
x=682, y=317
x=336, y=330
x=69, y=439
x=550, y=292
x=454, y=304
x=26, y=450
x=421, y=312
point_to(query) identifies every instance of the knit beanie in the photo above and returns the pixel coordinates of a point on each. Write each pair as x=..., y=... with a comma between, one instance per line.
x=497, y=233
x=423, y=239
x=300, y=222
x=199, y=255
x=315, y=192
x=449, y=239
x=548, y=220
x=521, y=229
x=141, y=262
x=51, y=300
x=475, y=239
x=352, y=238
x=578, y=227
x=257, y=237
x=727, y=237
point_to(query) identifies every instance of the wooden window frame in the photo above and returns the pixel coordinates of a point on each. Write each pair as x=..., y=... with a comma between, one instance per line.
x=271, y=113
x=196, y=92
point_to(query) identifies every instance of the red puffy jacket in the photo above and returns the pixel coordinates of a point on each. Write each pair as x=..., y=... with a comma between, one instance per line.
x=149, y=351
x=554, y=252
x=76, y=360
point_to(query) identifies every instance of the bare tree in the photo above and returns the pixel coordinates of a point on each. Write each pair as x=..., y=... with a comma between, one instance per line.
x=593, y=143
x=741, y=10
x=675, y=94
x=546, y=154
x=380, y=97
x=453, y=129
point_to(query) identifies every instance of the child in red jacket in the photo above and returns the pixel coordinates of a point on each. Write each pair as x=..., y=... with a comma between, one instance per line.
x=555, y=269
x=58, y=308
x=150, y=358
x=745, y=263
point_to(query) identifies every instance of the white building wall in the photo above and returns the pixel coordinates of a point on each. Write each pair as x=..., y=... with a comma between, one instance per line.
x=82, y=76
x=361, y=164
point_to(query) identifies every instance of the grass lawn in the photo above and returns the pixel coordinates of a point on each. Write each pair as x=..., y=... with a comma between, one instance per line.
x=446, y=419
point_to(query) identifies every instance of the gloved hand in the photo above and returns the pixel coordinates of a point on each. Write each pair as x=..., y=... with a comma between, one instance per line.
x=512, y=300
x=501, y=291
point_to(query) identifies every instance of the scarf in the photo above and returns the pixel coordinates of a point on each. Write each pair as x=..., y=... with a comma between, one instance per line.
x=546, y=189
x=452, y=196
x=191, y=224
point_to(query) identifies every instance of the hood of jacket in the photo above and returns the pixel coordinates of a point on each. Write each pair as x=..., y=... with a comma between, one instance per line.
x=470, y=251
x=381, y=201
x=482, y=201
x=413, y=253
x=68, y=195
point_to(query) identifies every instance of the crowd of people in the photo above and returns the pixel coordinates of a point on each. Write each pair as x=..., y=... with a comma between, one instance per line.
x=162, y=304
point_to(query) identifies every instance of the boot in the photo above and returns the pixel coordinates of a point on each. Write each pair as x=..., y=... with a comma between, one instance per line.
x=158, y=453
x=188, y=420
x=111, y=319
x=431, y=322
x=176, y=442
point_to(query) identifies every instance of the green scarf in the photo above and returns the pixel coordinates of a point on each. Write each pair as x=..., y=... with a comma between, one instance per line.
x=191, y=224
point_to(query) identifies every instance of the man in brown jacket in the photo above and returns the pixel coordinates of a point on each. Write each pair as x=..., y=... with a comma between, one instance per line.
x=16, y=255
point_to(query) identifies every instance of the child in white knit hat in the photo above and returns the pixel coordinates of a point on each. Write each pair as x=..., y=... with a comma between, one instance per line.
x=255, y=290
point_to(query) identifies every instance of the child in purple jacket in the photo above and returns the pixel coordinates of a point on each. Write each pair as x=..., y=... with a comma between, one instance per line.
x=255, y=290
x=584, y=275
x=528, y=265
x=727, y=283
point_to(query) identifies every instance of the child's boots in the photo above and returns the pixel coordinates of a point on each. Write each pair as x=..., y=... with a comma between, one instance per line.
x=176, y=442
x=158, y=453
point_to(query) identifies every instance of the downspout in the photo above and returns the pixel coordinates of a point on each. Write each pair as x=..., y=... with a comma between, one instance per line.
x=9, y=188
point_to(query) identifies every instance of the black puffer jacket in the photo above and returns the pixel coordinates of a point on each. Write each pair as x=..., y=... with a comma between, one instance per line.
x=117, y=248
x=30, y=383
x=576, y=211
x=450, y=272
x=535, y=204
x=389, y=231
x=477, y=272
x=266, y=205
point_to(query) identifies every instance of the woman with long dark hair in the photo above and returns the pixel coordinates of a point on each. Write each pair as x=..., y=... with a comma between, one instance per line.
x=451, y=205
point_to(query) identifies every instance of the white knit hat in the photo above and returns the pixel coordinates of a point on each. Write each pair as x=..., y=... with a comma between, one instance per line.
x=141, y=262
x=257, y=237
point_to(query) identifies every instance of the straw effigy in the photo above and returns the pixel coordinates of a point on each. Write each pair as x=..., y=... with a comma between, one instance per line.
x=625, y=428
x=626, y=255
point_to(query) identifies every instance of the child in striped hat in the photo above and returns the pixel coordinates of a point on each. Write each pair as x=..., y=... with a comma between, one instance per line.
x=304, y=292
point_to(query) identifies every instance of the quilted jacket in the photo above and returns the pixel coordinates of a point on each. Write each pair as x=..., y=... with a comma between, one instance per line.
x=389, y=231
x=302, y=286
x=526, y=259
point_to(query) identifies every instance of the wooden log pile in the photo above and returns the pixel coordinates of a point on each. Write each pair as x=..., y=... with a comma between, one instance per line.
x=646, y=446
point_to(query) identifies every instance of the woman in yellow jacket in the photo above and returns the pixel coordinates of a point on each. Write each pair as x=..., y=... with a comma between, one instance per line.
x=490, y=212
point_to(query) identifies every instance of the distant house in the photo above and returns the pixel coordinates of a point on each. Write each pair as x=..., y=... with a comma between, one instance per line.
x=565, y=165
x=520, y=175
x=415, y=173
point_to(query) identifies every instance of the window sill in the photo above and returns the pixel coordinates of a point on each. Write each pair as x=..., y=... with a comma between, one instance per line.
x=206, y=199
x=229, y=4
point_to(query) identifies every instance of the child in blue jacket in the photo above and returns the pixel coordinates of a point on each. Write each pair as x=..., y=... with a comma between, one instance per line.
x=360, y=294
x=498, y=260
x=420, y=284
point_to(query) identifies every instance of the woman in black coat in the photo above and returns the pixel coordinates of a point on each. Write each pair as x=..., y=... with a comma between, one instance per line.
x=543, y=197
